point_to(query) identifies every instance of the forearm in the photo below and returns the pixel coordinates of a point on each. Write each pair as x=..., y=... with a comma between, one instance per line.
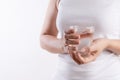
x=114, y=46
x=51, y=44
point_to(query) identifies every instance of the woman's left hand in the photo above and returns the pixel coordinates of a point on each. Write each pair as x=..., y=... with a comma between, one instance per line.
x=92, y=52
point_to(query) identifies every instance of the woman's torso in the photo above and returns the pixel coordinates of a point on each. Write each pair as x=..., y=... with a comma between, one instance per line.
x=105, y=16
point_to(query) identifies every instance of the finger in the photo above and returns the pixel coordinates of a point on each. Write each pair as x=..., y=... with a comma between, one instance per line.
x=72, y=48
x=93, y=52
x=72, y=36
x=84, y=35
x=81, y=59
x=72, y=54
x=77, y=58
x=87, y=59
x=92, y=57
x=70, y=31
x=72, y=42
x=85, y=52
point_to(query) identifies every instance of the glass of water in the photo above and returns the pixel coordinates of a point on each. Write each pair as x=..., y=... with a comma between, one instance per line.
x=86, y=35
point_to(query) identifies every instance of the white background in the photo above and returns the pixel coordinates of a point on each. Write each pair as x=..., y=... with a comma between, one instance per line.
x=20, y=55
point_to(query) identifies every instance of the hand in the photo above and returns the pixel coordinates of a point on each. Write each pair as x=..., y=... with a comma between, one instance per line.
x=96, y=47
x=71, y=37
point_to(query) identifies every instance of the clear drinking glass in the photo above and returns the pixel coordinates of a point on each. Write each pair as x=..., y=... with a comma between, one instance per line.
x=86, y=35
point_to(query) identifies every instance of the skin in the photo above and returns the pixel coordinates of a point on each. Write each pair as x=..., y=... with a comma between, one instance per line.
x=50, y=42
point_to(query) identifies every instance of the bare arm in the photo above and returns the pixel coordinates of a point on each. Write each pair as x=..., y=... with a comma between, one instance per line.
x=48, y=36
x=114, y=45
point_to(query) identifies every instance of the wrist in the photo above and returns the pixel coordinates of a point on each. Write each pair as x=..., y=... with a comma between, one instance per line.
x=108, y=42
x=63, y=47
x=105, y=42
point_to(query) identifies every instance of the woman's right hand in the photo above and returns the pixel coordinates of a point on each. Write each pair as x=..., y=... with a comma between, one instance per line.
x=71, y=38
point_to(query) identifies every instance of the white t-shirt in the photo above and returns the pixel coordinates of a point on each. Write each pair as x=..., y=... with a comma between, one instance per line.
x=105, y=16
